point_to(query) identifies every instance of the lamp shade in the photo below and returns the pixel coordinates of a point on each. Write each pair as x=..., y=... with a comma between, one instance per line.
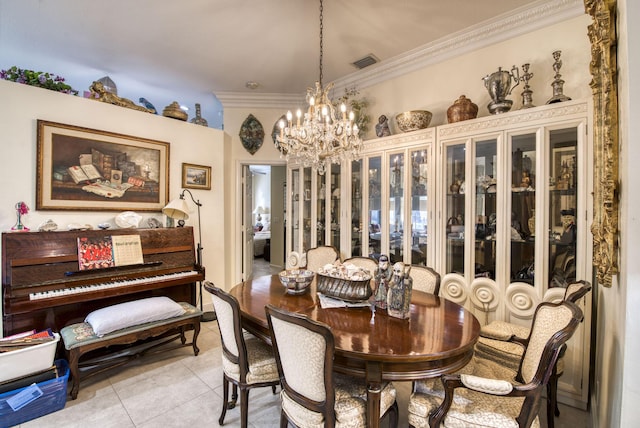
x=177, y=209
x=259, y=210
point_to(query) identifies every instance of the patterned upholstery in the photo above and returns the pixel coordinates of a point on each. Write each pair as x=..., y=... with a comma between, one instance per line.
x=247, y=361
x=487, y=393
x=312, y=395
x=425, y=279
x=320, y=256
x=366, y=263
x=494, y=344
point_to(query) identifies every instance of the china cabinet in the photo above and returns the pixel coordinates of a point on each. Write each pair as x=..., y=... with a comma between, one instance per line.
x=515, y=209
x=500, y=206
x=374, y=205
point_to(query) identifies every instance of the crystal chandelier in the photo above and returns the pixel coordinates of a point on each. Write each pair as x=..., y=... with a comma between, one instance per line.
x=323, y=134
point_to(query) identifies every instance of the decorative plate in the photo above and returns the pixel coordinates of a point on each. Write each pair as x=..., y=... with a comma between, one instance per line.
x=251, y=134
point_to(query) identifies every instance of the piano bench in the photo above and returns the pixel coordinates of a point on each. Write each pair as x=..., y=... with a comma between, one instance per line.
x=80, y=339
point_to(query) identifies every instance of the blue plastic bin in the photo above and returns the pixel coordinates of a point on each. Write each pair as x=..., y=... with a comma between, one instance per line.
x=54, y=398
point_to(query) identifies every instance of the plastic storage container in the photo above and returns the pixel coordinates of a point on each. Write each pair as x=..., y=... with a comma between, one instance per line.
x=23, y=362
x=54, y=398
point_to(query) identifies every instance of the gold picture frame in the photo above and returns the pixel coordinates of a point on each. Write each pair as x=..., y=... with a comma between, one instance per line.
x=92, y=170
x=196, y=176
x=606, y=182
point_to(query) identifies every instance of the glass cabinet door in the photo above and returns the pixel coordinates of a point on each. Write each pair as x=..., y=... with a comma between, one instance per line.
x=295, y=210
x=563, y=204
x=321, y=210
x=374, y=215
x=396, y=207
x=523, y=208
x=356, y=207
x=486, y=207
x=419, y=207
x=306, y=210
x=334, y=177
x=455, y=208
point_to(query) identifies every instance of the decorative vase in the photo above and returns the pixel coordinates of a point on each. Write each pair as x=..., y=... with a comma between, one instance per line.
x=499, y=85
x=462, y=109
x=532, y=223
x=382, y=277
x=399, y=294
x=199, y=120
x=20, y=209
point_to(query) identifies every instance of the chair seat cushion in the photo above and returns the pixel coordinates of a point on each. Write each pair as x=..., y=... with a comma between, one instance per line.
x=350, y=405
x=262, y=363
x=503, y=330
x=470, y=409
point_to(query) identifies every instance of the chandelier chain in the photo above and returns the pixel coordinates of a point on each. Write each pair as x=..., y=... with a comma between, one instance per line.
x=321, y=40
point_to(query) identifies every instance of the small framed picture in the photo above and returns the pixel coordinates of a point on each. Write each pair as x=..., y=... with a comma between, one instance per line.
x=196, y=176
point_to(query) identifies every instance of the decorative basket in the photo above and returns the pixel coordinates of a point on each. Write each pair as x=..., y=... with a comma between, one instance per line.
x=344, y=289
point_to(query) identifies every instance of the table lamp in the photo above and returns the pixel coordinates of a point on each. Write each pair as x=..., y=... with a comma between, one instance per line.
x=178, y=210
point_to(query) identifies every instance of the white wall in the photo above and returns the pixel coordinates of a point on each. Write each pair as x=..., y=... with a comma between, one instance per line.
x=21, y=107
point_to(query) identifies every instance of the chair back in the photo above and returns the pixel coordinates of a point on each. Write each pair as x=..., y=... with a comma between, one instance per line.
x=305, y=364
x=319, y=256
x=228, y=313
x=425, y=279
x=576, y=290
x=553, y=325
x=366, y=263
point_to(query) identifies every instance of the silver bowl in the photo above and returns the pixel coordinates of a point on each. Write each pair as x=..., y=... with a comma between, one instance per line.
x=296, y=281
x=413, y=120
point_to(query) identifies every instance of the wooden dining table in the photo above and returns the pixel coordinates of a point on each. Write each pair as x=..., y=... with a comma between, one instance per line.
x=438, y=337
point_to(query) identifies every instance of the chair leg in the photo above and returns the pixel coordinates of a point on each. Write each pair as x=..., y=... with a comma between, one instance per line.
x=234, y=397
x=273, y=389
x=393, y=415
x=225, y=397
x=284, y=422
x=244, y=407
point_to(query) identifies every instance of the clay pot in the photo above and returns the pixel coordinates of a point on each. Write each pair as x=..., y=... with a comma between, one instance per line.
x=462, y=109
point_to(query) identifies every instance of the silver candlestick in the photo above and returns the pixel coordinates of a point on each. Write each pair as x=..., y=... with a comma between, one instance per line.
x=557, y=83
x=527, y=93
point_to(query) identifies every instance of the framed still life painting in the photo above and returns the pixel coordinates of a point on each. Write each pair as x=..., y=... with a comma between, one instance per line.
x=87, y=169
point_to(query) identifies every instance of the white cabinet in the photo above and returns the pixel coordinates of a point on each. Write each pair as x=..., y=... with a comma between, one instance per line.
x=500, y=206
x=514, y=216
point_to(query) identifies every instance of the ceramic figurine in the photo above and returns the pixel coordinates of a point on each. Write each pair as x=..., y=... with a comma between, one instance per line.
x=382, y=127
x=399, y=294
x=382, y=277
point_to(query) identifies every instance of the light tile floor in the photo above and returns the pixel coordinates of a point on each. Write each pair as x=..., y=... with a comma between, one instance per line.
x=178, y=389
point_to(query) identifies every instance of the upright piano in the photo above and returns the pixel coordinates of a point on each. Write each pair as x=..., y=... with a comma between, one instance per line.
x=43, y=287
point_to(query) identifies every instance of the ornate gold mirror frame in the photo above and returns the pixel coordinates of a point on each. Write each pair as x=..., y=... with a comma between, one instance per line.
x=602, y=34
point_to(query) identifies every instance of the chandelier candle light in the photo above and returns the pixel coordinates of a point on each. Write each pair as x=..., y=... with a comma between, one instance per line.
x=323, y=134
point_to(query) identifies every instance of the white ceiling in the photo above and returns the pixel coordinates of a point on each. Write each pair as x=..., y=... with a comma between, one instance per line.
x=219, y=45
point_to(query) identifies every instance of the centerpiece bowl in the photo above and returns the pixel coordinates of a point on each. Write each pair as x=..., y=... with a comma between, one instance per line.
x=296, y=281
x=413, y=120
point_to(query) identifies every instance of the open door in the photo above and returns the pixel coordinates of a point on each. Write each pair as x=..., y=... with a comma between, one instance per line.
x=247, y=223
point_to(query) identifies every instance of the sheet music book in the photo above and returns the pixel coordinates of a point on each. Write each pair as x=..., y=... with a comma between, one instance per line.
x=127, y=250
x=95, y=253
x=109, y=251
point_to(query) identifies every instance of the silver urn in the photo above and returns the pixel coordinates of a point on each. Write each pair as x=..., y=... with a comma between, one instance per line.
x=500, y=84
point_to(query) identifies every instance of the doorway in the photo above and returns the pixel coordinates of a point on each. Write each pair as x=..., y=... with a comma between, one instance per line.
x=263, y=218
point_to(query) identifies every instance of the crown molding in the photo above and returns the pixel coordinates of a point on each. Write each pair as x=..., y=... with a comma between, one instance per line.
x=500, y=28
x=259, y=100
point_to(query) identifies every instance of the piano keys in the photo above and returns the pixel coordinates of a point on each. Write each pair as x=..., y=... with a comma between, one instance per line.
x=39, y=292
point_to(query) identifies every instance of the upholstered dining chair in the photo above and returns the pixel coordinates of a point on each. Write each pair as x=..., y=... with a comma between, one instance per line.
x=425, y=279
x=319, y=256
x=366, y=263
x=485, y=393
x=494, y=344
x=247, y=362
x=312, y=394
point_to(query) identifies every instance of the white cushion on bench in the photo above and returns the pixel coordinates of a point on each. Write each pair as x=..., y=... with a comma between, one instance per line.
x=112, y=318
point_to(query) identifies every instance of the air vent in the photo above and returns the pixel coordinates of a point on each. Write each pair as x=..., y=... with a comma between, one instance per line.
x=366, y=61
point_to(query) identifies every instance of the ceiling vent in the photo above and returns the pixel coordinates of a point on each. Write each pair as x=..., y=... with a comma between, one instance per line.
x=366, y=61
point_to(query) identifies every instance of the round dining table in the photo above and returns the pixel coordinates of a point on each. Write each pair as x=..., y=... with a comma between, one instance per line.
x=437, y=338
